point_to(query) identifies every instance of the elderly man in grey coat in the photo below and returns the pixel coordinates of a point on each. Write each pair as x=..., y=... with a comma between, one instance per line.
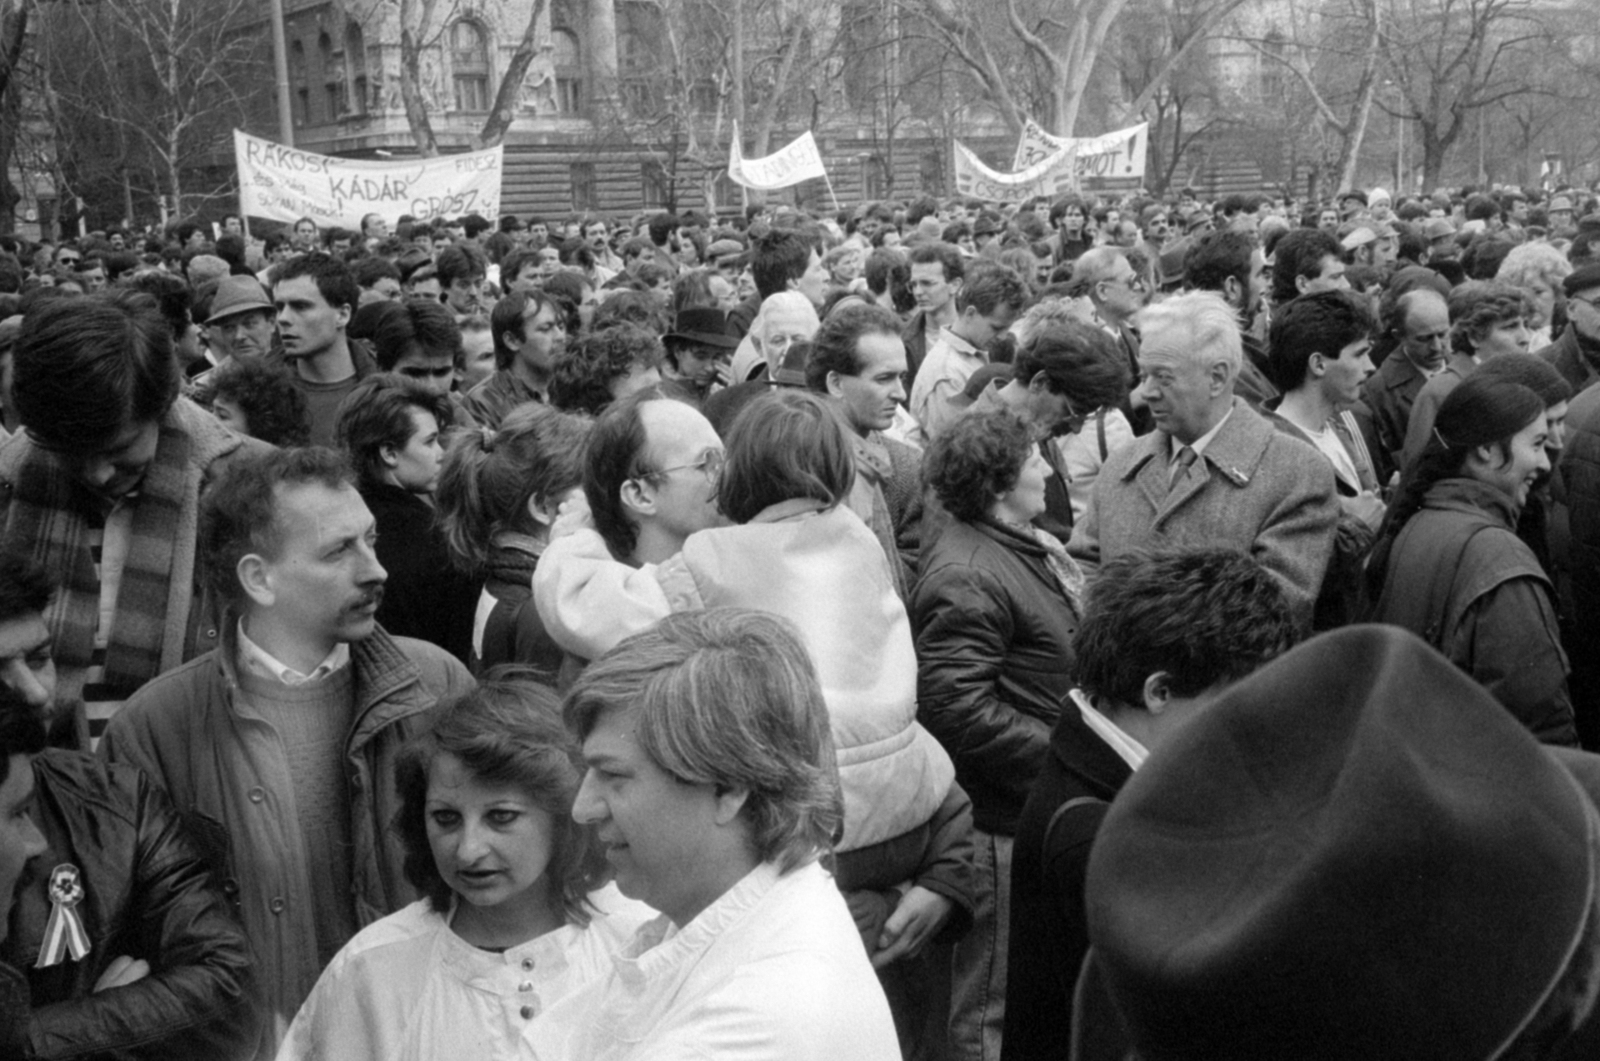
x=1213, y=474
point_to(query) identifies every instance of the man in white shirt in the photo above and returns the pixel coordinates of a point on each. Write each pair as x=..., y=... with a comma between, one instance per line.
x=987, y=304
x=1319, y=354
x=712, y=786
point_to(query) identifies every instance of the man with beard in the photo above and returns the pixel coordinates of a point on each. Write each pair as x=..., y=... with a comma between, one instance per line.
x=279, y=745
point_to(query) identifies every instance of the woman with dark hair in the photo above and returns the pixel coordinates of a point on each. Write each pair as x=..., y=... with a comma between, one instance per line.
x=995, y=609
x=260, y=399
x=1450, y=567
x=497, y=497
x=391, y=428
x=513, y=915
x=1536, y=519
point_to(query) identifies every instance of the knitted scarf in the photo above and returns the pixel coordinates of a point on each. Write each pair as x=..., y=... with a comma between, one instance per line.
x=47, y=520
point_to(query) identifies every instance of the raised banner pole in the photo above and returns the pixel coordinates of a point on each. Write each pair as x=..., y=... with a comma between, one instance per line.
x=829, y=182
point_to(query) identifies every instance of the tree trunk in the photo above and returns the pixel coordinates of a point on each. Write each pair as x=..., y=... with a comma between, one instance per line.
x=1350, y=144
x=1434, y=148
x=13, y=32
x=506, y=98
x=411, y=94
x=768, y=114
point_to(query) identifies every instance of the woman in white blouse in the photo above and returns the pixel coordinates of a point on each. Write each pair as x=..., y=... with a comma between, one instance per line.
x=513, y=917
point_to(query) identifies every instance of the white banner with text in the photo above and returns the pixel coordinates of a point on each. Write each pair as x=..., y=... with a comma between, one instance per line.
x=1049, y=177
x=1119, y=154
x=285, y=184
x=799, y=161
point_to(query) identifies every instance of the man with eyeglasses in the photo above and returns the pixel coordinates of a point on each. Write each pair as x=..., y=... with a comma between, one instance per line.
x=65, y=264
x=650, y=476
x=1576, y=352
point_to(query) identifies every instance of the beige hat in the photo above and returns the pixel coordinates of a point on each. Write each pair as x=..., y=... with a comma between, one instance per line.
x=236, y=295
x=1359, y=237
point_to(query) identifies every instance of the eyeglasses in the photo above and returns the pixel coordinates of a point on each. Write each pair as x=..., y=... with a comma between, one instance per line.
x=710, y=465
x=1072, y=421
x=1591, y=303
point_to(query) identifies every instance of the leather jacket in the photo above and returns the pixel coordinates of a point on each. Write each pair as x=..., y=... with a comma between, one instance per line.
x=994, y=659
x=146, y=894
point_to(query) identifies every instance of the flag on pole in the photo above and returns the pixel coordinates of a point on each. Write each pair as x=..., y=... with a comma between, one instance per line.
x=799, y=161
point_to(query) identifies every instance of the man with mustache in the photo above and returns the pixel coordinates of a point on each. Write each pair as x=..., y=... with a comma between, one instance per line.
x=279, y=746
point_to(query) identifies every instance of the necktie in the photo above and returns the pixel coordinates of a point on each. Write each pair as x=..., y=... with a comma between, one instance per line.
x=1180, y=467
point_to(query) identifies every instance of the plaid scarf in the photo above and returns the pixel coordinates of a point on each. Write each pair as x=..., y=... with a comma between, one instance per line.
x=48, y=520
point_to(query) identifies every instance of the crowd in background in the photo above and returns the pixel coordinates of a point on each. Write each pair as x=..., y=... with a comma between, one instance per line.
x=405, y=597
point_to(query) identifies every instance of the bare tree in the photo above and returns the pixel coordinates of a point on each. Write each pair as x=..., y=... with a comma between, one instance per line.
x=1323, y=49
x=1058, y=44
x=1450, y=59
x=1168, y=79
x=13, y=38
x=158, y=82
x=422, y=24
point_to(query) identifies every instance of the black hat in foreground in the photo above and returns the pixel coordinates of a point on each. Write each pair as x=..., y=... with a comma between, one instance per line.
x=1356, y=852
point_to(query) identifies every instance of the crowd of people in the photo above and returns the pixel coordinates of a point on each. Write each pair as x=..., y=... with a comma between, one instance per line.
x=1101, y=627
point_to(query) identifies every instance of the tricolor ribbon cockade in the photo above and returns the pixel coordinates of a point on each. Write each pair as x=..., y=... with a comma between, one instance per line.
x=64, y=933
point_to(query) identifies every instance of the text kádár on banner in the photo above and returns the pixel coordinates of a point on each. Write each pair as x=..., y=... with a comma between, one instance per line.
x=283, y=183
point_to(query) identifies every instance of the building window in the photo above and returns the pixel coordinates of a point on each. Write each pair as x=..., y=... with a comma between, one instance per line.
x=301, y=100
x=704, y=95
x=583, y=192
x=1272, y=86
x=637, y=98
x=654, y=186
x=930, y=172
x=639, y=36
x=333, y=90
x=568, y=71
x=874, y=184
x=725, y=191
x=355, y=59
x=469, y=65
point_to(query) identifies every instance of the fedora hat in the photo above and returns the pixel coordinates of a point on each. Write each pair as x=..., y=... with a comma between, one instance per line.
x=1356, y=852
x=705, y=325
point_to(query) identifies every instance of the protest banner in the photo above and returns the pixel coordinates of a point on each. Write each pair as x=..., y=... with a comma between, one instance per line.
x=799, y=161
x=1119, y=154
x=1048, y=177
x=284, y=184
